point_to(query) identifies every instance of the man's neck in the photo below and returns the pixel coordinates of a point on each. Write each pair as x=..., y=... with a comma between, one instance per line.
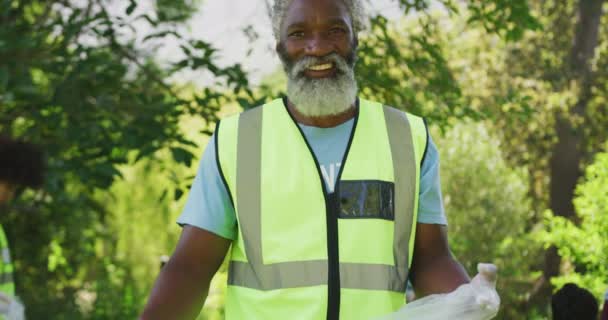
x=328, y=121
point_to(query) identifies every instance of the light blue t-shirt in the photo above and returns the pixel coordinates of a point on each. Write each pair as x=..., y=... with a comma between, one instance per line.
x=208, y=206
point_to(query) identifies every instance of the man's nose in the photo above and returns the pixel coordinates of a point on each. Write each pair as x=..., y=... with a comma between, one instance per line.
x=318, y=46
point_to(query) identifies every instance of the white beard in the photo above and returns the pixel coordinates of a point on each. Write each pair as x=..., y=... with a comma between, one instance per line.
x=322, y=97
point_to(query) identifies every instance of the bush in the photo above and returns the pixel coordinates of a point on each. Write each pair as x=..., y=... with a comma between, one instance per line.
x=488, y=211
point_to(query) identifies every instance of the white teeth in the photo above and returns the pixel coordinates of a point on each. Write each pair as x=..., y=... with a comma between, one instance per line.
x=321, y=67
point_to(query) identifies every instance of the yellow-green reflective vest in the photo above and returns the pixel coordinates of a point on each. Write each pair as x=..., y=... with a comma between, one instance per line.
x=301, y=252
x=7, y=285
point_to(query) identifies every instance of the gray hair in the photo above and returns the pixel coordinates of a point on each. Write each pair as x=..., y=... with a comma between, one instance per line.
x=279, y=9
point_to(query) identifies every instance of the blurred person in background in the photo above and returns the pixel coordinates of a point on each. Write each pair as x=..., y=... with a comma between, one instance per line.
x=21, y=166
x=572, y=302
x=605, y=308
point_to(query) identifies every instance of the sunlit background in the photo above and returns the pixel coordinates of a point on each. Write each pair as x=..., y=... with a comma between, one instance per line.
x=124, y=95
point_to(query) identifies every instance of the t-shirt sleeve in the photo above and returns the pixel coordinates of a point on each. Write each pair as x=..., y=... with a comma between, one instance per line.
x=430, y=203
x=208, y=205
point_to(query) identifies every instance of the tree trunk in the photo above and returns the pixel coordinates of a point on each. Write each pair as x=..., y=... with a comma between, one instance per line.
x=569, y=150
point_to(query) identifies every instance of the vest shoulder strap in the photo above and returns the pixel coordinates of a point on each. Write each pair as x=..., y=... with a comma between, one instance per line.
x=419, y=129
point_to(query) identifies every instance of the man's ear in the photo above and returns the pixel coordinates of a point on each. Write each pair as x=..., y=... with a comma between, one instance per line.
x=356, y=42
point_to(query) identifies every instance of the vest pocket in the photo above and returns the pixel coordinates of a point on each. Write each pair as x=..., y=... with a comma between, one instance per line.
x=366, y=199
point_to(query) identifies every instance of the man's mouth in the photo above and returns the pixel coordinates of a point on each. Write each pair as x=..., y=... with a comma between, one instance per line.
x=321, y=67
x=319, y=71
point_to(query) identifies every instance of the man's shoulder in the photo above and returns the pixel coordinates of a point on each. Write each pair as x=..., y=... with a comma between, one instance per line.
x=400, y=111
x=253, y=110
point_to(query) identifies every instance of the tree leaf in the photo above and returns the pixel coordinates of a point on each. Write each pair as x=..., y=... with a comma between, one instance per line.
x=131, y=7
x=178, y=194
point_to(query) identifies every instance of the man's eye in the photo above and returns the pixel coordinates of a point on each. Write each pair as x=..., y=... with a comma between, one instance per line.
x=296, y=34
x=337, y=30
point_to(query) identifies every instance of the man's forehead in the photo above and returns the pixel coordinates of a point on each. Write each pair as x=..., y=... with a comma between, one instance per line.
x=308, y=11
x=316, y=3
x=336, y=20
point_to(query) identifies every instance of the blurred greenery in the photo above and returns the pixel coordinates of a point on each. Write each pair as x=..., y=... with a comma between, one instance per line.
x=487, y=216
x=584, y=243
x=504, y=84
x=78, y=79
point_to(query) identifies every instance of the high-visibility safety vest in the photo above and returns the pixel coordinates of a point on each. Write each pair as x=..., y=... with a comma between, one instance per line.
x=7, y=285
x=302, y=252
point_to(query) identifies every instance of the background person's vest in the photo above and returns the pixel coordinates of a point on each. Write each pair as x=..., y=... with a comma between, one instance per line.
x=302, y=253
x=7, y=285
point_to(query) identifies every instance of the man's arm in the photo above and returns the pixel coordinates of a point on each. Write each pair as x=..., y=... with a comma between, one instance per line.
x=181, y=288
x=434, y=269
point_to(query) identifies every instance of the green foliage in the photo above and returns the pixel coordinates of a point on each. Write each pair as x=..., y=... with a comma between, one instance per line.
x=78, y=79
x=172, y=11
x=407, y=65
x=523, y=86
x=488, y=211
x=527, y=86
x=408, y=70
x=584, y=244
x=142, y=219
x=507, y=18
x=143, y=229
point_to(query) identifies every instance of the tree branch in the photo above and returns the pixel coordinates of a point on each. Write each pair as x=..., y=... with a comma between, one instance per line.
x=126, y=54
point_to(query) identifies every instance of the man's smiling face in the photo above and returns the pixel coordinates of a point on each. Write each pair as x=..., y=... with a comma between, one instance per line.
x=317, y=47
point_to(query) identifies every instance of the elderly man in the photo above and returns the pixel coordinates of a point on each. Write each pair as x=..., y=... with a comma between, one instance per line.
x=330, y=203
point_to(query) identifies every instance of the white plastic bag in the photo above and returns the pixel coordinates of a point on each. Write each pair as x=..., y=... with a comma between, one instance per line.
x=477, y=300
x=11, y=307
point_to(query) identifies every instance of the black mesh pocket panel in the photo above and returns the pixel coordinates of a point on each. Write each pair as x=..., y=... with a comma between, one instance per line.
x=366, y=199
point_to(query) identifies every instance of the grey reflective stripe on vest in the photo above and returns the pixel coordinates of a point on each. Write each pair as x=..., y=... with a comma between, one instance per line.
x=248, y=183
x=256, y=275
x=6, y=255
x=405, y=170
x=278, y=275
x=313, y=273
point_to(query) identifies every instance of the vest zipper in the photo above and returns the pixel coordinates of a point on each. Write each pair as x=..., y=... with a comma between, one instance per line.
x=333, y=256
x=332, y=207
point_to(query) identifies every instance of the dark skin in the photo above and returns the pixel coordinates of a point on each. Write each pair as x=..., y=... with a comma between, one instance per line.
x=434, y=269
x=183, y=283
x=7, y=192
x=317, y=29
x=312, y=28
